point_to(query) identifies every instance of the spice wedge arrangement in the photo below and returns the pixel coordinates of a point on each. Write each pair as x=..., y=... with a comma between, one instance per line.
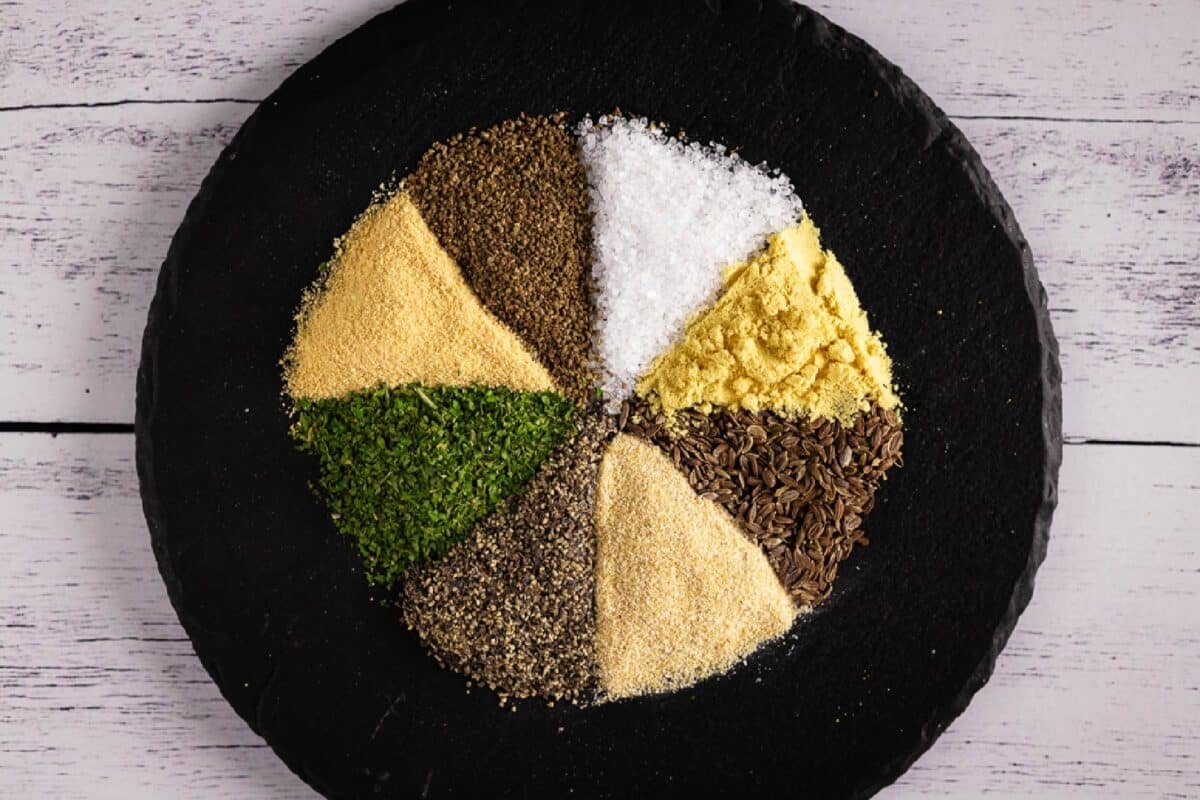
x=595, y=406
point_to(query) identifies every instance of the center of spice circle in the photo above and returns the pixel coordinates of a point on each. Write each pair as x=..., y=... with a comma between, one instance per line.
x=596, y=409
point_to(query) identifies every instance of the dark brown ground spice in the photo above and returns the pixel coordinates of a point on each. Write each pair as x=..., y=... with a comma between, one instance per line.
x=513, y=605
x=800, y=489
x=510, y=204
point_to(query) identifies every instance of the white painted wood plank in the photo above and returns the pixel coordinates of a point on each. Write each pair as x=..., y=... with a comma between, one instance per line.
x=1112, y=214
x=101, y=695
x=1097, y=694
x=63, y=51
x=89, y=199
x=1109, y=59
x=1103, y=58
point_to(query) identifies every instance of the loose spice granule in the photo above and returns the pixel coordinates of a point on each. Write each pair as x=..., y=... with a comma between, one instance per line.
x=788, y=335
x=406, y=472
x=669, y=215
x=394, y=309
x=510, y=204
x=680, y=592
x=513, y=605
x=800, y=489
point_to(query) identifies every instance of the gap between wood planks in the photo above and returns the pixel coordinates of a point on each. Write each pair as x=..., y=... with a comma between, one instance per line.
x=250, y=101
x=55, y=428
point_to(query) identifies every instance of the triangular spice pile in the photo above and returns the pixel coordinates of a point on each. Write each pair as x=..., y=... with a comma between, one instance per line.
x=395, y=309
x=460, y=370
x=406, y=472
x=680, y=592
x=510, y=205
x=513, y=605
x=669, y=215
x=787, y=335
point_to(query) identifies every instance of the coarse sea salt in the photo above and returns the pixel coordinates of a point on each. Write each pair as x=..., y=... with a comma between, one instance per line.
x=668, y=217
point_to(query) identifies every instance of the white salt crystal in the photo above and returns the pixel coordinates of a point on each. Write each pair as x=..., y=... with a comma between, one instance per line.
x=668, y=217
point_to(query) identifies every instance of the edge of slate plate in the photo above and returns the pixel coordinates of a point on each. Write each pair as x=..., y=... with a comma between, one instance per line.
x=945, y=133
x=949, y=136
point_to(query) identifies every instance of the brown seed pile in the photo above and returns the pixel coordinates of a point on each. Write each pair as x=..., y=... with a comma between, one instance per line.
x=510, y=204
x=800, y=489
x=513, y=605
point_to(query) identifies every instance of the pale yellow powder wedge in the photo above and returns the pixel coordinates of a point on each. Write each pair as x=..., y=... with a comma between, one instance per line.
x=395, y=309
x=787, y=335
x=681, y=593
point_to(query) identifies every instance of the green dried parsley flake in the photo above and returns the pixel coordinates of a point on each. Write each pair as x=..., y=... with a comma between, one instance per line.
x=407, y=472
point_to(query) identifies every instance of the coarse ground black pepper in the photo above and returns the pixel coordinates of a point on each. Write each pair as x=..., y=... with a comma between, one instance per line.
x=800, y=489
x=513, y=605
x=510, y=205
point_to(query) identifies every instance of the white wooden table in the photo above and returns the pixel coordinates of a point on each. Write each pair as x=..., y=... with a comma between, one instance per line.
x=1088, y=116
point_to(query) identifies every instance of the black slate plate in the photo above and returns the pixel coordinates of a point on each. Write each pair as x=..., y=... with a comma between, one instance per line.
x=272, y=599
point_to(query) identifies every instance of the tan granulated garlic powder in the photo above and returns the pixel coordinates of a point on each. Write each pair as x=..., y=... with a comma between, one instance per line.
x=395, y=309
x=681, y=593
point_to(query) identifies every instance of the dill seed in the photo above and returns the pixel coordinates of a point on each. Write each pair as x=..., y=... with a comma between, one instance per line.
x=807, y=508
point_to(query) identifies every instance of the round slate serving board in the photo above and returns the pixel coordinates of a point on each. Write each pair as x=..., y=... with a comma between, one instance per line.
x=273, y=600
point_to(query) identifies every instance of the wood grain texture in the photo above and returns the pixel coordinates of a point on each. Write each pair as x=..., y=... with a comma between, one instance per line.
x=1078, y=59
x=101, y=695
x=1096, y=695
x=91, y=196
x=89, y=200
x=1112, y=213
x=1098, y=691
x=62, y=51
x=1103, y=58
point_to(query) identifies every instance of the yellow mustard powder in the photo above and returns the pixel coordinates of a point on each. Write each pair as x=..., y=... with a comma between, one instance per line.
x=786, y=335
x=681, y=593
x=395, y=309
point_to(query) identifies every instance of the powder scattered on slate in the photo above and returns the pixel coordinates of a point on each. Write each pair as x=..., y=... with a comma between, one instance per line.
x=668, y=217
x=788, y=334
x=393, y=309
x=800, y=489
x=680, y=592
x=512, y=606
x=510, y=204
